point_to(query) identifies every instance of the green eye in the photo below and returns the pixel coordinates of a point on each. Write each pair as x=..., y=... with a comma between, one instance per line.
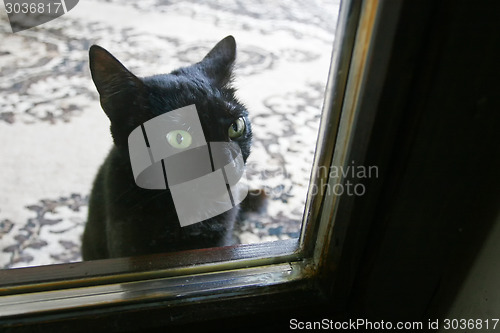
x=179, y=139
x=237, y=128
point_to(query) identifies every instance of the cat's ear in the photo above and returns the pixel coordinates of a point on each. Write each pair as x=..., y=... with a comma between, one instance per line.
x=117, y=86
x=120, y=93
x=218, y=63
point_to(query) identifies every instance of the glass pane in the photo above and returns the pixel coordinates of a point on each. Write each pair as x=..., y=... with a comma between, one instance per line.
x=55, y=135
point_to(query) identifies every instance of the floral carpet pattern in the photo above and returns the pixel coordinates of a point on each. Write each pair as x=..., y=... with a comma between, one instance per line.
x=54, y=134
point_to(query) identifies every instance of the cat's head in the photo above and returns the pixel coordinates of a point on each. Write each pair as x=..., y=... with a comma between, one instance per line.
x=129, y=101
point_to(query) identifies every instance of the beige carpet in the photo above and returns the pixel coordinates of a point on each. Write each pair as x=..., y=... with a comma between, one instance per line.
x=54, y=135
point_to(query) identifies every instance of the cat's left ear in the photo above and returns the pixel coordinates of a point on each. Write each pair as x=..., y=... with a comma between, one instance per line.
x=218, y=63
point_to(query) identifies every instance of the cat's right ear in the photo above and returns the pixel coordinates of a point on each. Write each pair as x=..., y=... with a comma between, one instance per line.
x=218, y=63
x=117, y=86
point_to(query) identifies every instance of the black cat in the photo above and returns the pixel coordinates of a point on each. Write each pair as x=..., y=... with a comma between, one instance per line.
x=125, y=219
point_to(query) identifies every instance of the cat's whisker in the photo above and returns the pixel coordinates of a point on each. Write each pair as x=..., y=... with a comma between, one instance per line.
x=120, y=196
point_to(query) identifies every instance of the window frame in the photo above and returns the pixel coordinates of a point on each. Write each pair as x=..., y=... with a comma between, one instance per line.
x=203, y=285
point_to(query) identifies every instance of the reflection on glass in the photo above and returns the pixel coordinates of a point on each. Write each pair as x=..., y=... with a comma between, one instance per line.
x=55, y=135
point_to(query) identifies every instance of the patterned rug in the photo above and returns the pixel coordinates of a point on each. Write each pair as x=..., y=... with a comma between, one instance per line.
x=55, y=135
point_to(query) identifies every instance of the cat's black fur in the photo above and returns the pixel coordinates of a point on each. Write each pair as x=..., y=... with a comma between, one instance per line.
x=124, y=219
